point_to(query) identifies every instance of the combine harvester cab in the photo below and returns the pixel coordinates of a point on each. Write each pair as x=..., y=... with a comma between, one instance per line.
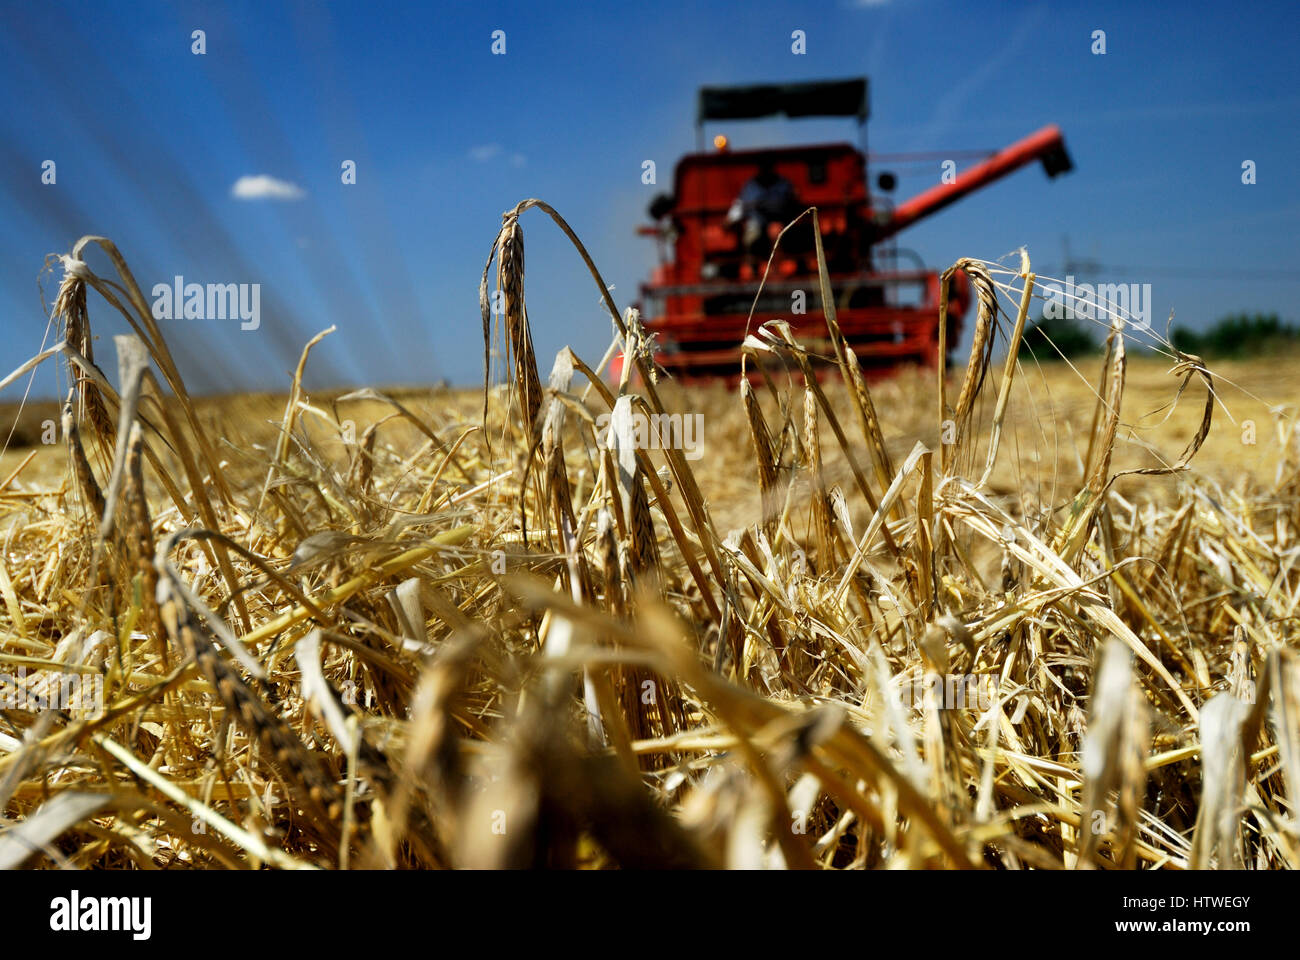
x=699, y=297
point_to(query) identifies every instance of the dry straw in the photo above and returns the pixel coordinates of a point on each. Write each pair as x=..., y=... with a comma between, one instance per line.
x=424, y=648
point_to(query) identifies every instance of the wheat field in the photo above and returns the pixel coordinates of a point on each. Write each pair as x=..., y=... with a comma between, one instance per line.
x=432, y=629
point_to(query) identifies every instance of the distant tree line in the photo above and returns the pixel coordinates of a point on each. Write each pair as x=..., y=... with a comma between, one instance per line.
x=1239, y=335
x=1236, y=335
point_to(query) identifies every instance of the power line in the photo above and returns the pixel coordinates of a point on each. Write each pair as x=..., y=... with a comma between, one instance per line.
x=1093, y=267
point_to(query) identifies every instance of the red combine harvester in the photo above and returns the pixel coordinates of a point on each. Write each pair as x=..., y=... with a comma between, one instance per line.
x=711, y=259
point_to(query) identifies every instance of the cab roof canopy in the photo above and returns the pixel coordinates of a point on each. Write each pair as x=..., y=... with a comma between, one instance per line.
x=821, y=98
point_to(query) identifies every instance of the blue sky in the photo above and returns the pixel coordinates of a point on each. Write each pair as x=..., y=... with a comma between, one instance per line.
x=149, y=140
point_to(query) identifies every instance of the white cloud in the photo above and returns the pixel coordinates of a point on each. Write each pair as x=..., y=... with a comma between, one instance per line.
x=263, y=187
x=495, y=153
